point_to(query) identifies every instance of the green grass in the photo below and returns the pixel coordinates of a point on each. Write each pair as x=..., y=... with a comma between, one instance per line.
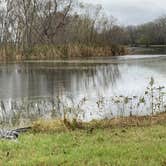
x=136, y=146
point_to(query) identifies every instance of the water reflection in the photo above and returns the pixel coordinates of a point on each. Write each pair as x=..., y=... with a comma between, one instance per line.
x=29, y=80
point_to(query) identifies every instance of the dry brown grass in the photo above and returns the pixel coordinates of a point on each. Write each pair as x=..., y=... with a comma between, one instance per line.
x=133, y=121
x=51, y=52
x=51, y=126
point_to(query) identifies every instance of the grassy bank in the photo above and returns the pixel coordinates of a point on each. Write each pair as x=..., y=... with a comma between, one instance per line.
x=130, y=141
x=111, y=147
x=52, y=52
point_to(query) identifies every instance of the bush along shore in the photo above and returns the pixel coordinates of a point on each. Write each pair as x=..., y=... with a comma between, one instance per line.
x=53, y=52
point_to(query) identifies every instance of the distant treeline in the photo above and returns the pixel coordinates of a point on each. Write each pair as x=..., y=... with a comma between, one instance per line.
x=27, y=27
x=151, y=33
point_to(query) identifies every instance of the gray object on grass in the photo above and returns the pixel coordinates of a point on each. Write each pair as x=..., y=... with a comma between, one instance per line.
x=12, y=134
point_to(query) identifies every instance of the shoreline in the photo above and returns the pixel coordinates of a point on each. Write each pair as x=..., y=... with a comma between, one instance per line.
x=125, y=145
x=56, y=125
x=92, y=60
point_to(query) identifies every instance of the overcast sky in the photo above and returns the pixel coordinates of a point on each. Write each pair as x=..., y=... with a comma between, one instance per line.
x=133, y=11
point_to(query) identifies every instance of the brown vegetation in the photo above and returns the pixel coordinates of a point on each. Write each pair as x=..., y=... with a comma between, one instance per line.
x=53, y=29
x=47, y=126
x=59, y=52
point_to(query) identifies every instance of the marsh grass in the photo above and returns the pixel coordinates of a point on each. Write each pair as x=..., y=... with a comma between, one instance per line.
x=53, y=52
x=74, y=50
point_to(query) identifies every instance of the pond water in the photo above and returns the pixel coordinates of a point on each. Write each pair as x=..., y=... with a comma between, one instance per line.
x=76, y=79
x=127, y=75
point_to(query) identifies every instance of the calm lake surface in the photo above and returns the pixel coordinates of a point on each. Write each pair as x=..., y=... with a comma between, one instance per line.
x=89, y=78
x=127, y=75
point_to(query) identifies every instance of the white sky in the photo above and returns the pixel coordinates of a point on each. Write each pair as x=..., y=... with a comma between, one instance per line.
x=133, y=11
